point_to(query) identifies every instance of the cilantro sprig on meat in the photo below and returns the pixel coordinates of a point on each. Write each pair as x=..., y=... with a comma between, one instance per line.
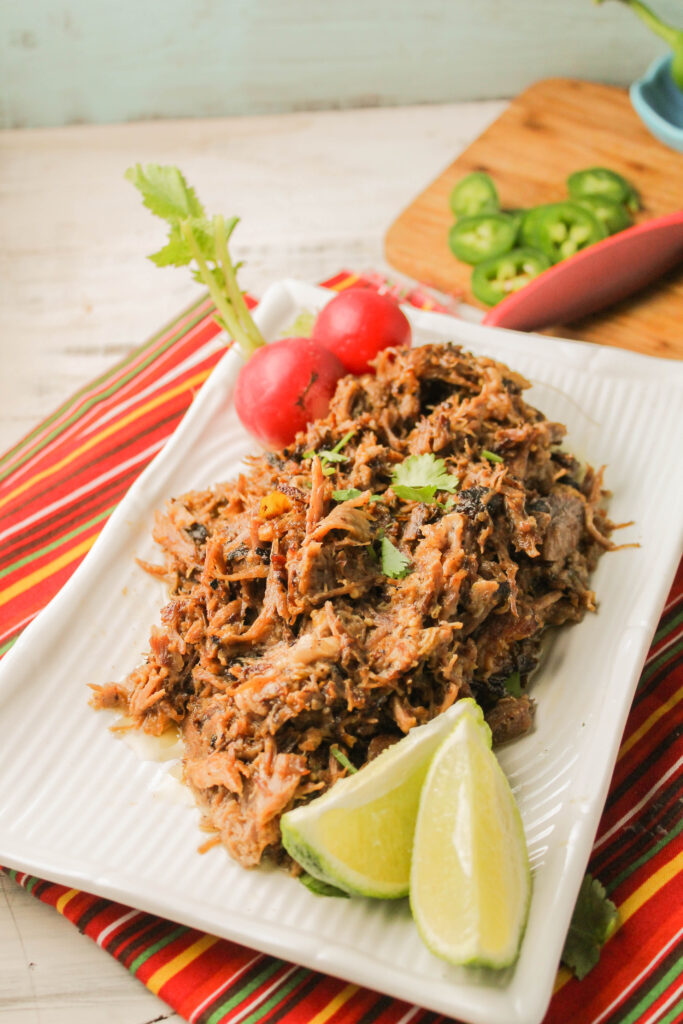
x=331, y=455
x=513, y=685
x=352, y=492
x=421, y=477
x=346, y=494
x=394, y=563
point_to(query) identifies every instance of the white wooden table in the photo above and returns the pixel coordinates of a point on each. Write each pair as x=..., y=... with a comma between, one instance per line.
x=316, y=193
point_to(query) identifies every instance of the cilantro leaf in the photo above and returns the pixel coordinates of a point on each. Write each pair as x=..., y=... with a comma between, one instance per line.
x=491, y=456
x=331, y=456
x=425, y=495
x=165, y=192
x=319, y=888
x=353, y=492
x=327, y=455
x=419, y=477
x=594, y=919
x=394, y=563
x=513, y=685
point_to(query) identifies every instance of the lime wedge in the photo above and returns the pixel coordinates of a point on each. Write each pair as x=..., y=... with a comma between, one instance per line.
x=470, y=882
x=358, y=836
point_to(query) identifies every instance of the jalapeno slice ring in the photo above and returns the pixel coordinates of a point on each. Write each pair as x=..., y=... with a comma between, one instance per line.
x=600, y=181
x=474, y=194
x=480, y=238
x=495, y=279
x=518, y=216
x=560, y=230
x=613, y=216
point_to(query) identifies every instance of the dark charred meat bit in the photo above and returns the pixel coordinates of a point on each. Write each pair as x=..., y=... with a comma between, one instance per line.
x=292, y=492
x=470, y=502
x=198, y=532
x=241, y=551
x=283, y=638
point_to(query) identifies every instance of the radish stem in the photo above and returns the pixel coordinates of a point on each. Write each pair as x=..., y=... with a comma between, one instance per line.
x=230, y=303
x=252, y=337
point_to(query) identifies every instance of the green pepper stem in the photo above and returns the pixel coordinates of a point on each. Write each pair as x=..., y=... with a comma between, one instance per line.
x=666, y=32
x=671, y=35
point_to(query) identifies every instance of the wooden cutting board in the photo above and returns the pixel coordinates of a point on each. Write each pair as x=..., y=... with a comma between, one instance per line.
x=553, y=128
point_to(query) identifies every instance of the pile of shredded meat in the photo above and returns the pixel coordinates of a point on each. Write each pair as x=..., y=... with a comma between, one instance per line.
x=284, y=639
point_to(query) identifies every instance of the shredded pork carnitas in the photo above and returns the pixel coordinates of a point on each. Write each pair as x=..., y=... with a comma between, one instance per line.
x=284, y=638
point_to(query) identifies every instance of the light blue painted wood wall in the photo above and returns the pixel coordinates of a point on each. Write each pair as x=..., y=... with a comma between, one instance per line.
x=66, y=61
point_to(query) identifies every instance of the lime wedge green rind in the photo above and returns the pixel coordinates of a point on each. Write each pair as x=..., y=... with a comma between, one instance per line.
x=358, y=836
x=470, y=881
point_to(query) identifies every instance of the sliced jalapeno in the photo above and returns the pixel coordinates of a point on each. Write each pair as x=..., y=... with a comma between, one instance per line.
x=517, y=217
x=475, y=194
x=474, y=239
x=561, y=229
x=613, y=216
x=599, y=181
x=495, y=279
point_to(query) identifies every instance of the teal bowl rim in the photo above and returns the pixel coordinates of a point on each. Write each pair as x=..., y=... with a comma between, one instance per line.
x=657, y=124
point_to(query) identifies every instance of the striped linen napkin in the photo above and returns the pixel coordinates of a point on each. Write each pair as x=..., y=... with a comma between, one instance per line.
x=57, y=488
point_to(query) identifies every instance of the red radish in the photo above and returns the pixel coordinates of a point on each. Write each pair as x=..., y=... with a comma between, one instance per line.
x=359, y=323
x=283, y=387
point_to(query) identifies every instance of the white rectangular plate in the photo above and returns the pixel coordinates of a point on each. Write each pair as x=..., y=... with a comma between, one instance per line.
x=80, y=807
